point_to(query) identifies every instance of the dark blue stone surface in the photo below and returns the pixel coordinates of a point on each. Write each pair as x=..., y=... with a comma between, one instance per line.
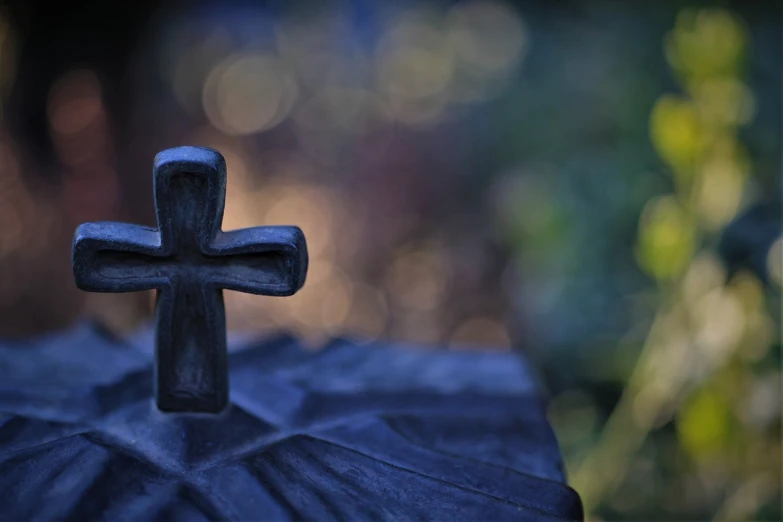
x=345, y=433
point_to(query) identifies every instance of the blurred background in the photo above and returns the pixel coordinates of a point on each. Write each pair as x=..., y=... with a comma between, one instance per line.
x=594, y=183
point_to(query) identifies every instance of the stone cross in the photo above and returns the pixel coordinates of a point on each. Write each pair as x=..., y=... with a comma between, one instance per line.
x=189, y=260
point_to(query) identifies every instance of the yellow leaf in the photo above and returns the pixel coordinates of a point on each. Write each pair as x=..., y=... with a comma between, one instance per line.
x=666, y=238
x=676, y=134
x=703, y=425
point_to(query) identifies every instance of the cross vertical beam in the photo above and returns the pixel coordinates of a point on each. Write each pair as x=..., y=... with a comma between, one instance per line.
x=189, y=261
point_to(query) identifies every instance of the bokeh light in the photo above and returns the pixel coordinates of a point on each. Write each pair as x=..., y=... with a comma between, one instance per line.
x=488, y=37
x=247, y=94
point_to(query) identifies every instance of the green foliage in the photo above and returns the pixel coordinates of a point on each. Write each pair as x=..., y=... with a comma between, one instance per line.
x=696, y=367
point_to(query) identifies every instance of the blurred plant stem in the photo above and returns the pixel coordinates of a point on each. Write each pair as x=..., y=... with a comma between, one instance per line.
x=645, y=397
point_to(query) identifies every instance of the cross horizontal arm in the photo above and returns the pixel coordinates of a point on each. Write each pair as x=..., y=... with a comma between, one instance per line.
x=260, y=260
x=104, y=253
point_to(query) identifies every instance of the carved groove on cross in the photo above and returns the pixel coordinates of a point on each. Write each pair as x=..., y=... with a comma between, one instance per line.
x=189, y=261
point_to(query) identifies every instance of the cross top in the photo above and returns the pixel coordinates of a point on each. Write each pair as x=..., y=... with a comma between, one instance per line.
x=189, y=260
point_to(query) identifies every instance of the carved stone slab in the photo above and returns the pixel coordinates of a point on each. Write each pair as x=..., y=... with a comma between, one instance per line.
x=349, y=432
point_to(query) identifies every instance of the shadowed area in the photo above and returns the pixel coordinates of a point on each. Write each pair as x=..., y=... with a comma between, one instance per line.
x=265, y=268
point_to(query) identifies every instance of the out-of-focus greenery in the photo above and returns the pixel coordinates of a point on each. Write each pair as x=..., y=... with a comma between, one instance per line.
x=699, y=417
